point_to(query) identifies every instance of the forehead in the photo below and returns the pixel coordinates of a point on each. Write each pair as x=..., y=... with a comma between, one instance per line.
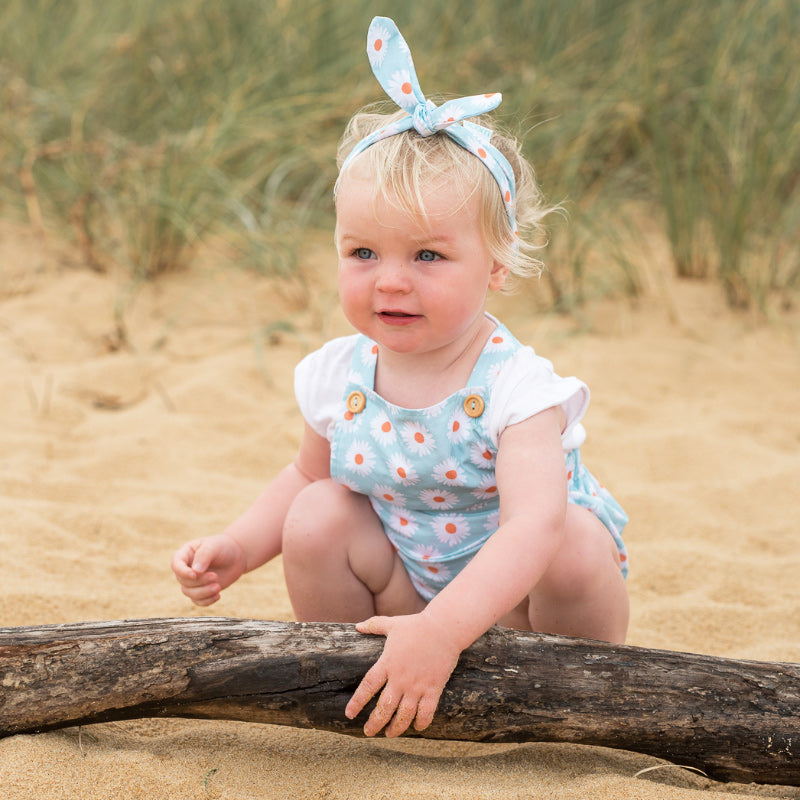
x=361, y=195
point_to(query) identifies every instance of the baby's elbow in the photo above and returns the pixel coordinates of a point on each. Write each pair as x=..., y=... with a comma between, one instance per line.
x=542, y=530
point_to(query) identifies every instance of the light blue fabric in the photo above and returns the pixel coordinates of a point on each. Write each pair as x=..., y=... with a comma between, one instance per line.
x=390, y=59
x=586, y=491
x=430, y=472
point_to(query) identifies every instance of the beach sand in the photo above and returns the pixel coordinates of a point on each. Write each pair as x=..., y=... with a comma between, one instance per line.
x=135, y=420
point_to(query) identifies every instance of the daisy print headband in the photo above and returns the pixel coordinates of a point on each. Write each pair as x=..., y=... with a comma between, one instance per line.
x=390, y=59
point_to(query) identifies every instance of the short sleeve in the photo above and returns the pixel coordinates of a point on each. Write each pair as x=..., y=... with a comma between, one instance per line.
x=527, y=385
x=319, y=383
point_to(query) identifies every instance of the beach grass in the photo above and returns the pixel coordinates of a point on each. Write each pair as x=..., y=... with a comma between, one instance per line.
x=143, y=130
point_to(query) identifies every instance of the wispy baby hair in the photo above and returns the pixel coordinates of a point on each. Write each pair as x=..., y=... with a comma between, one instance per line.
x=406, y=166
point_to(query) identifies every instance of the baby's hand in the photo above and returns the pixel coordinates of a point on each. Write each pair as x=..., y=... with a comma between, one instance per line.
x=204, y=567
x=416, y=663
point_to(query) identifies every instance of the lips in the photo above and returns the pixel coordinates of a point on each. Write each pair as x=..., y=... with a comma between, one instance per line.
x=396, y=317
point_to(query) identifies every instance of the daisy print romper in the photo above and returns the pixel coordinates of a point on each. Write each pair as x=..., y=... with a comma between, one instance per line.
x=429, y=473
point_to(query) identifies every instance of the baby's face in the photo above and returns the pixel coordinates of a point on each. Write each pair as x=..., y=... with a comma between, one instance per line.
x=413, y=284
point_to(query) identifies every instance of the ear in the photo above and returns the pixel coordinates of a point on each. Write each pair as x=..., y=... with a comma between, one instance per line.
x=498, y=275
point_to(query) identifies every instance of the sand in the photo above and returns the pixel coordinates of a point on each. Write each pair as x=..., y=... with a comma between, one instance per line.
x=119, y=442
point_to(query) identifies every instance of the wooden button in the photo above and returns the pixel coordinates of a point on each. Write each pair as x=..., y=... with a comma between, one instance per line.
x=356, y=402
x=474, y=405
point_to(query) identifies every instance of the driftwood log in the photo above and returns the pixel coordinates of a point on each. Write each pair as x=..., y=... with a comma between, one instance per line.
x=735, y=720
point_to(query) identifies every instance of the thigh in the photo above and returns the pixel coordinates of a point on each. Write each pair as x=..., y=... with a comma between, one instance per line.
x=583, y=592
x=332, y=536
x=587, y=556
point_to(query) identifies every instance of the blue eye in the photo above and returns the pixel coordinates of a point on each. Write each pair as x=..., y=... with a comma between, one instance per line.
x=428, y=255
x=363, y=253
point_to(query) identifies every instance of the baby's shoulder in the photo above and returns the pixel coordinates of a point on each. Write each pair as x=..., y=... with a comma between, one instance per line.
x=331, y=358
x=525, y=364
x=320, y=379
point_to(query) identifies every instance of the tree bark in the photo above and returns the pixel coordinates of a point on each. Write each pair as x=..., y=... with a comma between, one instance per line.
x=735, y=720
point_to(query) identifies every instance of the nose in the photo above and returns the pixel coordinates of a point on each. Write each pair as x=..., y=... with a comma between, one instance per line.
x=392, y=277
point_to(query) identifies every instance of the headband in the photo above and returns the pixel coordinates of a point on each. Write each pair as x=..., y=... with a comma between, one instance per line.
x=390, y=59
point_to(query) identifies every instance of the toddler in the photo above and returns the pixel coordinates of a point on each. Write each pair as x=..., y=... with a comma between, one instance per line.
x=438, y=488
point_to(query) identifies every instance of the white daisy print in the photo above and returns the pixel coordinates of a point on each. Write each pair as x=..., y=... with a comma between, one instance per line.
x=382, y=428
x=425, y=552
x=347, y=483
x=402, y=46
x=451, y=529
x=418, y=438
x=376, y=44
x=493, y=373
x=438, y=499
x=402, y=470
x=487, y=489
x=458, y=426
x=455, y=111
x=360, y=458
x=401, y=90
x=498, y=343
x=439, y=573
x=403, y=521
x=348, y=416
x=387, y=494
x=434, y=411
x=492, y=522
x=481, y=456
x=448, y=472
x=368, y=354
x=421, y=587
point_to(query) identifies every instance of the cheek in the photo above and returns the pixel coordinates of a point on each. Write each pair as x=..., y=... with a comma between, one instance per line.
x=353, y=291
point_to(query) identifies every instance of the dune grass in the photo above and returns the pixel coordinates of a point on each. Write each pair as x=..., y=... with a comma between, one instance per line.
x=145, y=128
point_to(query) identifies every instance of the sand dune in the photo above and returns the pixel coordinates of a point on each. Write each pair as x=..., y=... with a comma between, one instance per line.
x=116, y=449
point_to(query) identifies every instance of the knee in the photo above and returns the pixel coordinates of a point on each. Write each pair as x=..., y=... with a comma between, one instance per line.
x=309, y=513
x=321, y=521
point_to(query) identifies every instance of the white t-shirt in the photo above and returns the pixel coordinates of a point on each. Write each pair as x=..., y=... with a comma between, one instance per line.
x=526, y=384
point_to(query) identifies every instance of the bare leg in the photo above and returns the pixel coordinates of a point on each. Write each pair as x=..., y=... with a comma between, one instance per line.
x=583, y=592
x=338, y=563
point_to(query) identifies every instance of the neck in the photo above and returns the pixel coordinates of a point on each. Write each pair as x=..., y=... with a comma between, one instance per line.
x=423, y=380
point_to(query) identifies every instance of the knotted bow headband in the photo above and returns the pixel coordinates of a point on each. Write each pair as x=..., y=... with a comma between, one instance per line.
x=390, y=59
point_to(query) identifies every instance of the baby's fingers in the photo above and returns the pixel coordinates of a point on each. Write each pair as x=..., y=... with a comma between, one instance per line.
x=402, y=718
x=182, y=562
x=426, y=709
x=205, y=593
x=383, y=712
x=377, y=626
x=370, y=685
x=420, y=713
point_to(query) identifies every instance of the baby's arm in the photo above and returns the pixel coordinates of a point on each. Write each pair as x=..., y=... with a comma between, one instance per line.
x=206, y=566
x=422, y=650
x=532, y=485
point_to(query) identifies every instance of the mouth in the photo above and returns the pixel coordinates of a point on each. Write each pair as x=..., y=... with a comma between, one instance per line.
x=393, y=317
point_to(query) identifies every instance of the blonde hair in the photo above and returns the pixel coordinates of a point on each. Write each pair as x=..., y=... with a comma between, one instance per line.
x=406, y=164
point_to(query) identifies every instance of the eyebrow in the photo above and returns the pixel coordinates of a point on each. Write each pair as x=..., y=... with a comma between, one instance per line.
x=436, y=240
x=426, y=241
x=349, y=237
